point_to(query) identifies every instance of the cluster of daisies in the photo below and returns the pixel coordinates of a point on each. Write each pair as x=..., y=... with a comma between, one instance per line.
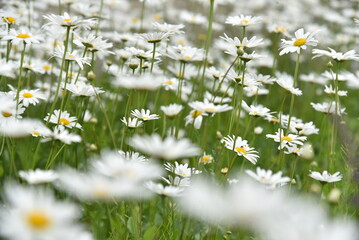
x=116, y=104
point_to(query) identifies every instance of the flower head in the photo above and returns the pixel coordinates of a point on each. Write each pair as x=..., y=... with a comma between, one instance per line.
x=300, y=41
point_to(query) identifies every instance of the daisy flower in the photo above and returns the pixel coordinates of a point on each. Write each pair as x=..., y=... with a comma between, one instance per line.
x=132, y=122
x=30, y=214
x=67, y=21
x=172, y=110
x=301, y=41
x=195, y=117
x=38, y=176
x=326, y=177
x=330, y=90
x=209, y=107
x=288, y=140
x=185, y=54
x=143, y=82
x=154, y=37
x=82, y=89
x=94, y=43
x=267, y=177
x=167, y=149
x=169, y=191
x=28, y=97
x=236, y=43
x=287, y=82
x=242, y=20
x=71, y=56
x=337, y=56
x=144, y=115
x=63, y=118
x=169, y=28
x=240, y=146
x=327, y=107
x=21, y=36
x=181, y=170
x=96, y=186
x=62, y=134
x=206, y=159
x=256, y=110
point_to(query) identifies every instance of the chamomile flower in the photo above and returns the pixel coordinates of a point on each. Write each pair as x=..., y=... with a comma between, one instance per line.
x=185, y=54
x=66, y=20
x=167, y=149
x=256, y=110
x=287, y=82
x=71, y=56
x=209, y=107
x=240, y=146
x=169, y=28
x=330, y=90
x=337, y=56
x=172, y=110
x=154, y=37
x=81, y=89
x=243, y=21
x=63, y=118
x=34, y=213
x=299, y=42
x=38, y=176
x=181, y=170
x=94, y=43
x=132, y=122
x=144, y=114
x=288, y=140
x=62, y=134
x=327, y=107
x=267, y=177
x=21, y=36
x=169, y=191
x=245, y=43
x=144, y=82
x=326, y=177
x=206, y=159
x=195, y=117
x=28, y=97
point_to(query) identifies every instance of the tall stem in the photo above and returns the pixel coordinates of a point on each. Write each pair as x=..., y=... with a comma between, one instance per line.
x=208, y=44
x=292, y=97
x=19, y=83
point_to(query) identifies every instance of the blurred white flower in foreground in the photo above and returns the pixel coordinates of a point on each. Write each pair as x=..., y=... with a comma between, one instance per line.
x=38, y=176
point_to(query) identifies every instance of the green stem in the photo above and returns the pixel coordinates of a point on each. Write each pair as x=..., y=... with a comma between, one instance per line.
x=153, y=55
x=19, y=83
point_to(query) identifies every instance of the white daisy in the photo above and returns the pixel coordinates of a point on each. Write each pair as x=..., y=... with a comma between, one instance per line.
x=132, y=122
x=172, y=110
x=301, y=41
x=38, y=176
x=337, y=56
x=267, y=177
x=167, y=149
x=242, y=20
x=241, y=147
x=144, y=114
x=28, y=97
x=288, y=140
x=63, y=118
x=326, y=177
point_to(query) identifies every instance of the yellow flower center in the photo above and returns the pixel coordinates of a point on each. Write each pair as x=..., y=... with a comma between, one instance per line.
x=196, y=113
x=245, y=21
x=280, y=29
x=169, y=82
x=71, y=55
x=27, y=95
x=300, y=42
x=187, y=57
x=67, y=19
x=36, y=133
x=6, y=114
x=145, y=118
x=46, y=67
x=134, y=20
x=241, y=150
x=286, y=138
x=64, y=121
x=210, y=109
x=23, y=35
x=9, y=20
x=206, y=159
x=100, y=193
x=157, y=17
x=38, y=220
